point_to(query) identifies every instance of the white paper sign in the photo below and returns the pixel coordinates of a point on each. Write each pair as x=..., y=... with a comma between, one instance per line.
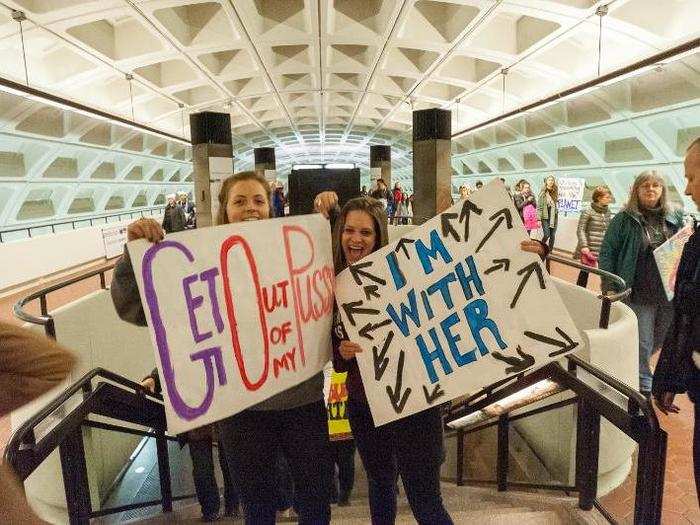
x=231, y=324
x=114, y=239
x=570, y=194
x=453, y=306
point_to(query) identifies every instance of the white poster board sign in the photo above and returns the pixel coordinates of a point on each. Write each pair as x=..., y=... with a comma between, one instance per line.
x=570, y=194
x=114, y=239
x=219, y=169
x=668, y=258
x=451, y=307
x=232, y=326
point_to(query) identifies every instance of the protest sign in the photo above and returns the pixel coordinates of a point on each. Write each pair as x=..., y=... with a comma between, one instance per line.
x=570, y=194
x=337, y=406
x=114, y=239
x=453, y=306
x=237, y=313
x=668, y=257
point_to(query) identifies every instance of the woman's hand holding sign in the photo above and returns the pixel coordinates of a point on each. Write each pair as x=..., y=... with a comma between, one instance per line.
x=348, y=349
x=148, y=229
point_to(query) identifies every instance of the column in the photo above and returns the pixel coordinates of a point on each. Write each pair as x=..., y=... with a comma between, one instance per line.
x=265, y=163
x=432, y=173
x=212, y=156
x=380, y=159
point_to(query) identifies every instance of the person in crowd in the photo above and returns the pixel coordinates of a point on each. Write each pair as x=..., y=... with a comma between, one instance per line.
x=479, y=184
x=342, y=442
x=292, y=422
x=363, y=191
x=412, y=446
x=173, y=216
x=464, y=192
x=592, y=225
x=278, y=200
x=547, y=210
x=526, y=205
x=200, y=442
x=406, y=209
x=398, y=199
x=678, y=369
x=644, y=224
x=383, y=195
x=30, y=365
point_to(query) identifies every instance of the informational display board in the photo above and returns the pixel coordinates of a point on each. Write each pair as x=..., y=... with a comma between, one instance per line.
x=668, y=257
x=570, y=194
x=451, y=307
x=114, y=238
x=231, y=325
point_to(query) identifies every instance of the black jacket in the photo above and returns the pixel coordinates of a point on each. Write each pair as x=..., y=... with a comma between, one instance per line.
x=676, y=372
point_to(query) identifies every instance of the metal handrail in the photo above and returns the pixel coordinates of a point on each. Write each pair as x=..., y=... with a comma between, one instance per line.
x=45, y=319
x=90, y=219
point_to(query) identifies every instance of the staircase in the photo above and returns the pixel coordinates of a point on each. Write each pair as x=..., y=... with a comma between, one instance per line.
x=482, y=506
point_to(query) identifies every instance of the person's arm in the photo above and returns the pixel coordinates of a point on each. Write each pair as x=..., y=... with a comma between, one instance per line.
x=30, y=365
x=582, y=229
x=611, y=246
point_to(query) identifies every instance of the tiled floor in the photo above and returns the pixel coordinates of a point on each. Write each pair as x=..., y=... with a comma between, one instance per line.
x=680, y=503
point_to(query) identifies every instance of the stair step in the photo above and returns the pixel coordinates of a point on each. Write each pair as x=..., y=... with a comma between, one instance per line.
x=405, y=516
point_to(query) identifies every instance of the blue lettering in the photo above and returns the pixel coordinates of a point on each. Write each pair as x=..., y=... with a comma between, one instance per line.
x=426, y=305
x=443, y=285
x=425, y=253
x=396, y=275
x=410, y=311
x=429, y=357
x=477, y=316
x=473, y=277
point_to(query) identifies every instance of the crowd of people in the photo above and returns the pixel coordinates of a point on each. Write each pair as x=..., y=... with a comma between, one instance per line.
x=295, y=423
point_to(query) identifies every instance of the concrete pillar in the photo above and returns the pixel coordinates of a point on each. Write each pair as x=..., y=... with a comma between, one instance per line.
x=432, y=173
x=212, y=155
x=380, y=158
x=265, y=163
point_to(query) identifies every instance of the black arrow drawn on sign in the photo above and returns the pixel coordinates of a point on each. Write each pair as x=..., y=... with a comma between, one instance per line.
x=447, y=228
x=380, y=359
x=398, y=400
x=467, y=208
x=371, y=291
x=500, y=263
x=366, y=330
x=354, y=308
x=517, y=364
x=503, y=215
x=357, y=270
x=401, y=245
x=566, y=345
x=437, y=392
x=528, y=270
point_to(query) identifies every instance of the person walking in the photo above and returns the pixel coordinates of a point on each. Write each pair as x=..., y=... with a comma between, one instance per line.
x=592, y=225
x=174, y=219
x=547, y=211
x=526, y=205
x=644, y=224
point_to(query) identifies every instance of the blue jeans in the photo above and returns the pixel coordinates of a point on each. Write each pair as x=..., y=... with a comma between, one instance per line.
x=204, y=481
x=411, y=446
x=253, y=439
x=548, y=234
x=653, y=321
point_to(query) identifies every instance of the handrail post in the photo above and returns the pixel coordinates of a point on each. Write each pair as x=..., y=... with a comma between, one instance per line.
x=650, y=477
x=587, y=450
x=103, y=282
x=460, y=457
x=604, y=312
x=75, y=478
x=166, y=492
x=502, y=457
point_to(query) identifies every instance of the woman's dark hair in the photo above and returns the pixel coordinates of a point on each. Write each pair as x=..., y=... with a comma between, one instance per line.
x=374, y=209
x=599, y=192
x=554, y=191
x=229, y=182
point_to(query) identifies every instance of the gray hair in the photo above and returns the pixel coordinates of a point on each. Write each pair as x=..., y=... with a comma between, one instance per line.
x=633, y=202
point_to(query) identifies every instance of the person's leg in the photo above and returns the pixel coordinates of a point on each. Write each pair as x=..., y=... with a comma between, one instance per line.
x=335, y=463
x=284, y=486
x=545, y=232
x=346, y=469
x=203, y=473
x=231, y=498
x=420, y=453
x=582, y=280
x=376, y=448
x=303, y=438
x=645, y=323
x=552, y=234
x=250, y=442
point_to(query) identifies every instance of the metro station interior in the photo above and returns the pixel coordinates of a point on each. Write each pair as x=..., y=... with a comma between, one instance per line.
x=109, y=107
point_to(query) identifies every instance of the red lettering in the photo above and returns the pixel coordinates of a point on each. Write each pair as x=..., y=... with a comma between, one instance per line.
x=279, y=333
x=284, y=362
x=271, y=300
x=226, y=247
x=294, y=271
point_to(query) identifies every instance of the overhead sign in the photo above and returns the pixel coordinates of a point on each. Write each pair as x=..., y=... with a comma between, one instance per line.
x=570, y=195
x=451, y=307
x=232, y=326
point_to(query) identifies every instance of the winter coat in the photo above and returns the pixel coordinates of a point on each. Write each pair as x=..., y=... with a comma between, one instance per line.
x=174, y=219
x=677, y=370
x=543, y=210
x=127, y=302
x=622, y=242
x=592, y=225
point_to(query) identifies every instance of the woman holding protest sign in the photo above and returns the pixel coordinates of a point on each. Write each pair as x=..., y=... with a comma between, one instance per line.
x=644, y=224
x=292, y=422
